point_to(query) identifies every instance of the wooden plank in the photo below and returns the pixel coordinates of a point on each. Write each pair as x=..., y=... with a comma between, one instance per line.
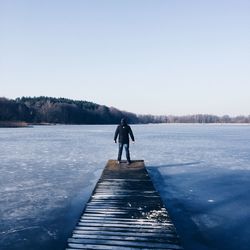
x=122, y=229
x=129, y=222
x=118, y=243
x=120, y=225
x=103, y=247
x=125, y=233
x=135, y=237
x=124, y=212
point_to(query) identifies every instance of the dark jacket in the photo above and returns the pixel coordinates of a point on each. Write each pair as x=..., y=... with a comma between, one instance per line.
x=124, y=130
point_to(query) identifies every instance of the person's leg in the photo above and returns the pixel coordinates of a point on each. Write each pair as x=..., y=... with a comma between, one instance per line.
x=127, y=152
x=120, y=152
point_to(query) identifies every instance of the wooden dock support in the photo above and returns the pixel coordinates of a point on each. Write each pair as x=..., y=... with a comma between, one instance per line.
x=124, y=212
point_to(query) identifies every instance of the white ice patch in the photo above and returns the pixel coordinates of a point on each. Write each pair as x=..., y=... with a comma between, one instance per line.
x=206, y=221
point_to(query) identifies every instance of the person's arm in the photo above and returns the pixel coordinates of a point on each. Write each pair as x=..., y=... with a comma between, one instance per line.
x=116, y=133
x=131, y=134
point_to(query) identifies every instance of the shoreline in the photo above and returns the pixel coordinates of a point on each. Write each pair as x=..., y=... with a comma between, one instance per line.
x=13, y=124
x=21, y=124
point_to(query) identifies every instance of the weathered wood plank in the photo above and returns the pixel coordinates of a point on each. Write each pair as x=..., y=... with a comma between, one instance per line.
x=136, y=237
x=122, y=229
x=118, y=243
x=124, y=212
x=170, y=235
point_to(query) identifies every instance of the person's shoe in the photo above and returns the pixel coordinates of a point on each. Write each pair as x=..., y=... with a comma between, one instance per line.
x=119, y=162
x=129, y=162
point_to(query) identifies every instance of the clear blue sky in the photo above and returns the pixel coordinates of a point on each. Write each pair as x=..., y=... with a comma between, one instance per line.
x=159, y=57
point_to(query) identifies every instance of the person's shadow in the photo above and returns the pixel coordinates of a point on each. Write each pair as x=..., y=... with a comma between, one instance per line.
x=154, y=170
x=174, y=165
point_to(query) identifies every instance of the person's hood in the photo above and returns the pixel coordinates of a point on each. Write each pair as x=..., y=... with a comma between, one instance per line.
x=123, y=121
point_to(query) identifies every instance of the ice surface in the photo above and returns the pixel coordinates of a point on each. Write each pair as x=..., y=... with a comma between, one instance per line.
x=204, y=181
x=47, y=175
x=201, y=171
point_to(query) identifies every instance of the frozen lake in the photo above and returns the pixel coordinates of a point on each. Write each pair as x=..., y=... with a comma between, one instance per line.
x=201, y=171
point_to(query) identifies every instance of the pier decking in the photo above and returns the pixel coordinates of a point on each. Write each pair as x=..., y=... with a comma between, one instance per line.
x=124, y=212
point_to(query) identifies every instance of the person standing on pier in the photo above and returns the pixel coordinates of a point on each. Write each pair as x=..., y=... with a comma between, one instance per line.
x=124, y=131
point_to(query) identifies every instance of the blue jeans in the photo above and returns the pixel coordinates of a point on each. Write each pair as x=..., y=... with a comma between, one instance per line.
x=120, y=151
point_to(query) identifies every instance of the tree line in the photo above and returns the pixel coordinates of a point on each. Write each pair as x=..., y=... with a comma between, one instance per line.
x=44, y=109
x=60, y=110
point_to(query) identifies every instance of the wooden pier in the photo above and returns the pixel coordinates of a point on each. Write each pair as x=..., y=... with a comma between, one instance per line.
x=124, y=212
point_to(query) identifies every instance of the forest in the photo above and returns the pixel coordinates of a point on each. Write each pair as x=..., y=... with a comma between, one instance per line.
x=39, y=110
